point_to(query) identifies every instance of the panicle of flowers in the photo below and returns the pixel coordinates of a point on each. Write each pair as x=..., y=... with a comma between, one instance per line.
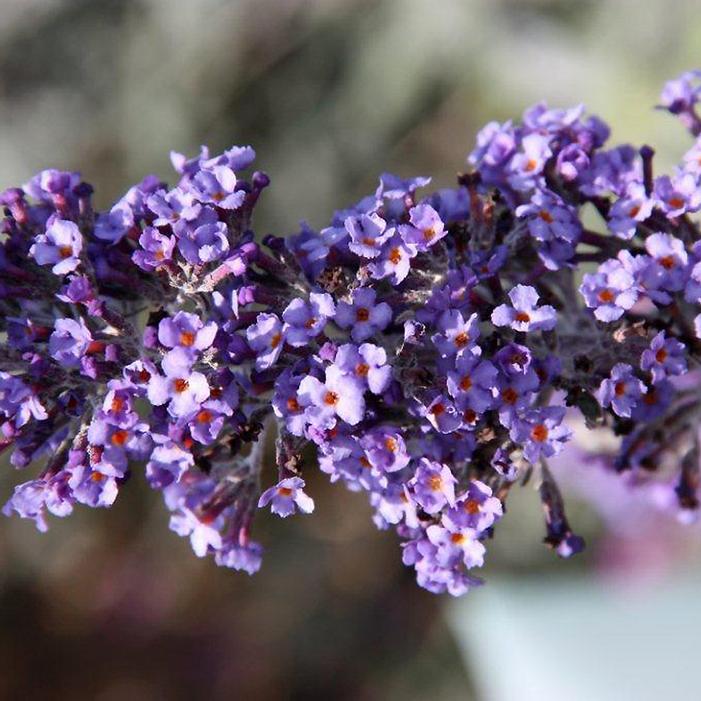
x=429, y=347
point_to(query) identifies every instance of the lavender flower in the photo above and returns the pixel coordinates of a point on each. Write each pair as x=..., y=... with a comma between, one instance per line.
x=363, y=315
x=60, y=247
x=286, y=497
x=524, y=314
x=621, y=391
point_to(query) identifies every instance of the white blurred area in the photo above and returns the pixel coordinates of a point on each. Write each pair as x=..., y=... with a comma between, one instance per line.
x=570, y=639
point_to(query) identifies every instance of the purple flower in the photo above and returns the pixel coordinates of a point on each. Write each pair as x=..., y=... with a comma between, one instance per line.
x=114, y=225
x=69, y=342
x=571, y=161
x=368, y=364
x=442, y=415
x=385, y=449
x=59, y=246
x=671, y=259
x=682, y=93
x=628, y=211
x=394, y=261
x=621, y=391
x=550, y=219
x=665, y=357
x=610, y=291
x=217, y=186
x=476, y=509
x=540, y=432
x=433, y=486
x=93, y=487
x=363, y=316
x=207, y=423
x=677, y=196
x=367, y=232
x=205, y=244
x=186, y=331
x=472, y=383
x=527, y=164
x=247, y=558
x=156, y=249
x=168, y=463
x=267, y=338
x=425, y=229
x=339, y=395
x=524, y=315
x=456, y=336
x=183, y=388
x=454, y=545
x=305, y=320
x=171, y=207
x=692, y=291
x=286, y=497
x=204, y=534
x=495, y=144
x=18, y=402
x=395, y=188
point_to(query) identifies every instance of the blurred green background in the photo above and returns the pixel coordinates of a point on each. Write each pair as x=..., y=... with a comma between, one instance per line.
x=111, y=605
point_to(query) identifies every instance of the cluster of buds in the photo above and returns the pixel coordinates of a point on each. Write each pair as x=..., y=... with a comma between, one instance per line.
x=434, y=349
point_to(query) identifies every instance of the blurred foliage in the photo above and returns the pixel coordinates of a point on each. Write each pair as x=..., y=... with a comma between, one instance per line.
x=112, y=605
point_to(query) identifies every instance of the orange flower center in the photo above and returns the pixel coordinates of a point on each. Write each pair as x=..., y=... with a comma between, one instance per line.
x=606, y=296
x=395, y=256
x=391, y=444
x=180, y=385
x=531, y=165
x=465, y=383
x=619, y=389
x=661, y=355
x=96, y=477
x=676, y=202
x=119, y=437
x=331, y=398
x=667, y=262
x=469, y=416
x=462, y=339
x=275, y=340
x=292, y=404
x=509, y=395
x=117, y=405
x=546, y=216
x=435, y=483
x=522, y=317
x=362, y=369
x=187, y=338
x=204, y=416
x=362, y=314
x=457, y=538
x=437, y=409
x=539, y=433
x=284, y=491
x=472, y=506
x=65, y=251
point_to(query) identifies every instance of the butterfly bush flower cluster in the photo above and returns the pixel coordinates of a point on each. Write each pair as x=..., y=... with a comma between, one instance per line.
x=432, y=347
